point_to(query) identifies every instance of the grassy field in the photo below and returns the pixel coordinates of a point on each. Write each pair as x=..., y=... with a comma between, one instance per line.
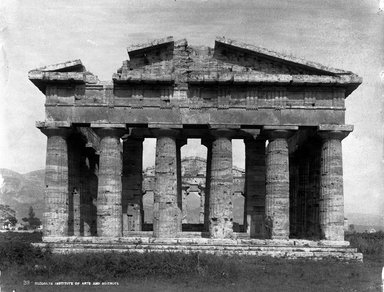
x=24, y=268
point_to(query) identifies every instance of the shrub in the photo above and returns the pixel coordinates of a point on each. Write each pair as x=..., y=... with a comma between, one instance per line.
x=367, y=243
x=18, y=252
x=21, y=237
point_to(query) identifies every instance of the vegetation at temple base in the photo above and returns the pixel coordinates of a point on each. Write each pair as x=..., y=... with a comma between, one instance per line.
x=19, y=262
x=367, y=243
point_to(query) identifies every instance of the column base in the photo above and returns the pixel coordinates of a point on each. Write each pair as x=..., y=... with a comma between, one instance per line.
x=287, y=249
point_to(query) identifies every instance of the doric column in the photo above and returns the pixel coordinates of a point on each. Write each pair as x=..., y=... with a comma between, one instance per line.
x=293, y=190
x=76, y=212
x=277, y=182
x=184, y=209
x=331, y=205
x=55, y=218
x=180, y=195
x=76, y=159
x=109, y=209
x=89, y=196
x=132, y=183
x=166, y=212
x=207, y=142
x=255, y=186
x=202, y=201
x=302, y=196
x=220, y=185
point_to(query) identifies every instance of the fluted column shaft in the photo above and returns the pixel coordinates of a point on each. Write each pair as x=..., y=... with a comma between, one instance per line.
x=202, y=202
x=167, y=212
x=221, y=180
x=89, y=201
x=55, y=218
x=180, y=143
x=331, y=205
x=277, y=185
x=132, y=183
x=255, y=186
x=109, y=209
x=76, y=160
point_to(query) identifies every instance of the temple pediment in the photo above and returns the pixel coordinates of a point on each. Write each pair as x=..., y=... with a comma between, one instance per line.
x=169, y=61
x=267, y=61
x=165, y=61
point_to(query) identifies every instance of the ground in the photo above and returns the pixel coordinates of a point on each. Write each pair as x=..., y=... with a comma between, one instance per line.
x=179, y=272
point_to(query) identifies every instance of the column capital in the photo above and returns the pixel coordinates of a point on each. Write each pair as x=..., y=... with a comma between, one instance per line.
x=217, y=133
x=56, y=131
x=338, y=132
x=276, y=132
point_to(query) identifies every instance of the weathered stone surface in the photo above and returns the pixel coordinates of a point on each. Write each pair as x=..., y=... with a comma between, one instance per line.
x=55, y=218
x=234, y=91
x=290, y=249
x=158, y=42
x=277, y=184
x=77, y=190
x=132, y=204
x=262, y=51
x=69, y=66
x=305, y=184
x=331, y=203
x=220, y=190
x=183, y=238
x=193, y=174
x=166, y=214
x=109, y=209
x=255, y=186
x=89, y=194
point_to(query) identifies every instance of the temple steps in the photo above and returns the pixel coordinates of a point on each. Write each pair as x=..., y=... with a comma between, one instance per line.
x=291, y=249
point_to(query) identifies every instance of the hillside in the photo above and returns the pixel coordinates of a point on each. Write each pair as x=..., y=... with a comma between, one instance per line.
x=20, y=191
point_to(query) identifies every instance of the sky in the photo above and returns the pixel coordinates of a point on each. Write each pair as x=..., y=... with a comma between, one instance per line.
x=345, y=34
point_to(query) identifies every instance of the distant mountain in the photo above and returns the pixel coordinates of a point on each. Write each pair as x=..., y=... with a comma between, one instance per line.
x=20, y=191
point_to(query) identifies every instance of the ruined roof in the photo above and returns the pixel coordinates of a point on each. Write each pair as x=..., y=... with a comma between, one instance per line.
x=230, y=62
x=70, y=71
x=222, y=41
x=170, y=61
x=137, y=48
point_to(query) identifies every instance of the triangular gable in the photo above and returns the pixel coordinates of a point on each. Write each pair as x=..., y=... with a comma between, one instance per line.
x=141, y=49
x=166, y=60
x=267, y=61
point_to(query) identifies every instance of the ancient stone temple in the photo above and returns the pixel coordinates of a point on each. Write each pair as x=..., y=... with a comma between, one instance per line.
x=290, y=114
x=193, y=179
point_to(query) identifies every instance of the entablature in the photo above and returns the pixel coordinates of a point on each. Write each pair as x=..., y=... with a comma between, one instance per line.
x=171, y=83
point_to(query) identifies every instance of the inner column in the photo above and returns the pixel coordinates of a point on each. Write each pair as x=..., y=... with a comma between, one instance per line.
x=132, y=204
x=109, y=210
x=220, y=185
x=167, y=213
x=255, y=186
